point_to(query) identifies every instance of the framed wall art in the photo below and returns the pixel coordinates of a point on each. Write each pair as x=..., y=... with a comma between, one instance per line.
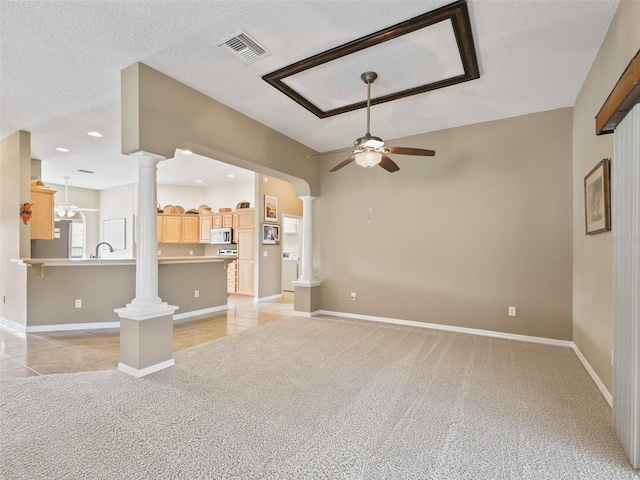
x=270, y=234
x=597, y=199
x=270, y=209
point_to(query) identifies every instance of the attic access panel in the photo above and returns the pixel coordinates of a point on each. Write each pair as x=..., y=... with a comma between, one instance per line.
x=443, y=38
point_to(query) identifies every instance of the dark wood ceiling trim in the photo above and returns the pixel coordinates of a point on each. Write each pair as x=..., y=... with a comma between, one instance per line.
x=621, y=100
x=457, y=12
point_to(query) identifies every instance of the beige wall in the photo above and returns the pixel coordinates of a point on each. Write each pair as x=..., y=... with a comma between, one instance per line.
x=457, y=238
x=270, y=267
x=15, y=165
x=593, y=255
x=189, y=119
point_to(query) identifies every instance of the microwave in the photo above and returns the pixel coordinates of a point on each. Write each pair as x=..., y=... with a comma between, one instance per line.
x=221, y=236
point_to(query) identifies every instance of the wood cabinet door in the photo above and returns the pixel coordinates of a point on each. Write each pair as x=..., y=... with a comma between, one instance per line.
x=234, y=226
x=160, y=229
x=245, y=277
x=245, y=218
x=245, y=245
x=227, y=220
x=190, y=229
x=42, y=214
x=217, y=221
x=206, y=224
x=172, y=229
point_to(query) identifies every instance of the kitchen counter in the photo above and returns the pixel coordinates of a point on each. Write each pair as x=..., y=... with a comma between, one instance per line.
x=38, y=264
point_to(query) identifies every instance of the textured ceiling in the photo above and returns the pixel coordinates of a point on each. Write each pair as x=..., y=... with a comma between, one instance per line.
x=60, y=64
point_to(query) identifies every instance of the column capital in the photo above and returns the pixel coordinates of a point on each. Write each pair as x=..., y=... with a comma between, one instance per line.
x=307, y=198
x=142, y=154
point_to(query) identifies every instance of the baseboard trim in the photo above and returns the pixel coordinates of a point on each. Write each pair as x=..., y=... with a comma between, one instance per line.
x=71, y=326
x=450, y=328
x=197, y=313
x=594, y=376
x=15, y=325
x=306, y=314
x=134, y=372
x=267, y=299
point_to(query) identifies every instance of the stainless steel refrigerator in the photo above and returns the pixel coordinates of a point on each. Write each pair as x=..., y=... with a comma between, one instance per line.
x=59, y=247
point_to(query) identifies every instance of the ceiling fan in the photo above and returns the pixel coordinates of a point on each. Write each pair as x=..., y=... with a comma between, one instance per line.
x=369, y=150
x=66, y=209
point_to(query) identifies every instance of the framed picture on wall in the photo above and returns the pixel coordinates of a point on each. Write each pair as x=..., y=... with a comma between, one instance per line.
x=270, y=234
x=597, y=199
x=270, y=209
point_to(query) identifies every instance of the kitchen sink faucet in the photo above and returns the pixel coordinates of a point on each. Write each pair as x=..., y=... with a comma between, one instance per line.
x=97, y=246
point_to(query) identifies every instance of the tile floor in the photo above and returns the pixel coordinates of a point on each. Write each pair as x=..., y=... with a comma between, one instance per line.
x=29, y=354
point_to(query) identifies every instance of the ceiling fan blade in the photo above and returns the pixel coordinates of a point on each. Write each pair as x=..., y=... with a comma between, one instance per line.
x=410, y=151
x=89, y=209
x=349, y=149
x=343, y=164
x=388, y=164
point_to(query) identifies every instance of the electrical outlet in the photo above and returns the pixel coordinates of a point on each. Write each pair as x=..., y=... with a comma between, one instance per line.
x=353, y=295
x=190, y=252
x=512, y=311
x=196, y=293
x=78, y=303
x=159, y=252
x=264, y=254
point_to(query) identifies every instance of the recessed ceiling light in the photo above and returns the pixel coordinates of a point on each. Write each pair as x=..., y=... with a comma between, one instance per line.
x=199, y=181
x=60, y=149
x=187, y=152
x=95, y=134
x=231, y=175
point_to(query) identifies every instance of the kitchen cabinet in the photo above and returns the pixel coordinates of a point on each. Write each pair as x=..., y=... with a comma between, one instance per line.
x=217, y=220
x=246, y=239
x=179, y=229
x=190, y=229
x=234, y=226
x=245, y=218
x=160, y=229
x=206, y=224
x=42, y=213
x=227, y=220
x=172, y=229
x=232, y=277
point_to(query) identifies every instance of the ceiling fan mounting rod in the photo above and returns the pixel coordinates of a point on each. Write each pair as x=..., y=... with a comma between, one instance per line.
x=368, y=78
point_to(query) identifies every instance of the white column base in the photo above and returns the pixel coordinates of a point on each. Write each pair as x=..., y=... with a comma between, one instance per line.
x=304, y=282
x=134, y=372
x=137, y=311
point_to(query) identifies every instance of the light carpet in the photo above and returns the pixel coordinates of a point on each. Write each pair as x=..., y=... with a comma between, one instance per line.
x=320, y=398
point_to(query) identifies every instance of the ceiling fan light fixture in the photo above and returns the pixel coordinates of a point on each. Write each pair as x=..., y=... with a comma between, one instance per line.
x=368, y=158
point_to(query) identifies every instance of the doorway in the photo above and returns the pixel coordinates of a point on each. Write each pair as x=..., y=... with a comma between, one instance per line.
x=291, y=249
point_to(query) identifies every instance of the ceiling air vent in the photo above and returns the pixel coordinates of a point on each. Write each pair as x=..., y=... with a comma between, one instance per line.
x=244, y=47
x=85, y=171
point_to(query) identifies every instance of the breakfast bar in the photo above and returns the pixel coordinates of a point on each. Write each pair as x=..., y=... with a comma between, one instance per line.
x=65, y=294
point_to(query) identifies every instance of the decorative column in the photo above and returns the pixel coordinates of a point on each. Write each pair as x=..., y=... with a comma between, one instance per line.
x=307, y=241
x=307, y=287
x=146, y=324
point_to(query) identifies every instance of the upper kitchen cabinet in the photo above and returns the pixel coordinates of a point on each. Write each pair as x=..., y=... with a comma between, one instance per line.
x=42, y=200
x=184, y=228
x=245, y=218
x=206, y=224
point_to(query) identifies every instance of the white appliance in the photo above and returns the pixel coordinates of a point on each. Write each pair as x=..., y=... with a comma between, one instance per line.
x=221, y=236
x=289, y=271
